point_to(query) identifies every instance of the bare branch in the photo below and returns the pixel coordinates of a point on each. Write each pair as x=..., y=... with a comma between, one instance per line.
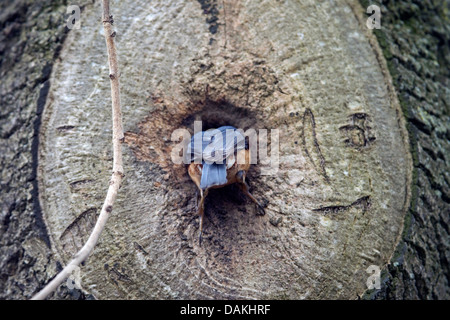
x=117, y=174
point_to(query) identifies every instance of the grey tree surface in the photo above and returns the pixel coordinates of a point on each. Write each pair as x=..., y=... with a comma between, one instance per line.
x=363, y=177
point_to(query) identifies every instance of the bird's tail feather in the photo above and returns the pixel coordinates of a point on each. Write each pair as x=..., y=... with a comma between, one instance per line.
x=213, y=174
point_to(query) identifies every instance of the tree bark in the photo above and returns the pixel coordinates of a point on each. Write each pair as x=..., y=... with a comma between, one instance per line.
x=415, y=37
x=346, y=194
x=30, y=42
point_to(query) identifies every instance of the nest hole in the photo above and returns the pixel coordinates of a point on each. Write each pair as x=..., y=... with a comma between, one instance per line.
x=215, y=114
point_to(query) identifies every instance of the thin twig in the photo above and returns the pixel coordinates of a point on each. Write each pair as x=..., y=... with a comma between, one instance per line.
x=117, y=174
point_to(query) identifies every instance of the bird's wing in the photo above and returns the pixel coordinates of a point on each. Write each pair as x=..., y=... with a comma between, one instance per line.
x=196, y=147
x=216, y=145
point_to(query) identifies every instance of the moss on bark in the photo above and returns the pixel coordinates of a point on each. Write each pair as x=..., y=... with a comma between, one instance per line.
x=415, y=38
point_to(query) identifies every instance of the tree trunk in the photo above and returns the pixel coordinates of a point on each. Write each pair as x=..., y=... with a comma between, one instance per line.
x=416, y=43
x=354, y=177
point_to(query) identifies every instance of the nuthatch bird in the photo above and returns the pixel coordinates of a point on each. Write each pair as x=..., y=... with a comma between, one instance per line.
x=218, y=158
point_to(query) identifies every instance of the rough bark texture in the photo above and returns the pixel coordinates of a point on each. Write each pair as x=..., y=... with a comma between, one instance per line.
x=31, y=37
x=127, y=268
x=415, y=37
x=336, y=203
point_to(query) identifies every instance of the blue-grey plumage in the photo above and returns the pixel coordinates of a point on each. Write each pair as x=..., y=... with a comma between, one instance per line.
x=214, y=163
x=213, y=175
x=212, y=148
